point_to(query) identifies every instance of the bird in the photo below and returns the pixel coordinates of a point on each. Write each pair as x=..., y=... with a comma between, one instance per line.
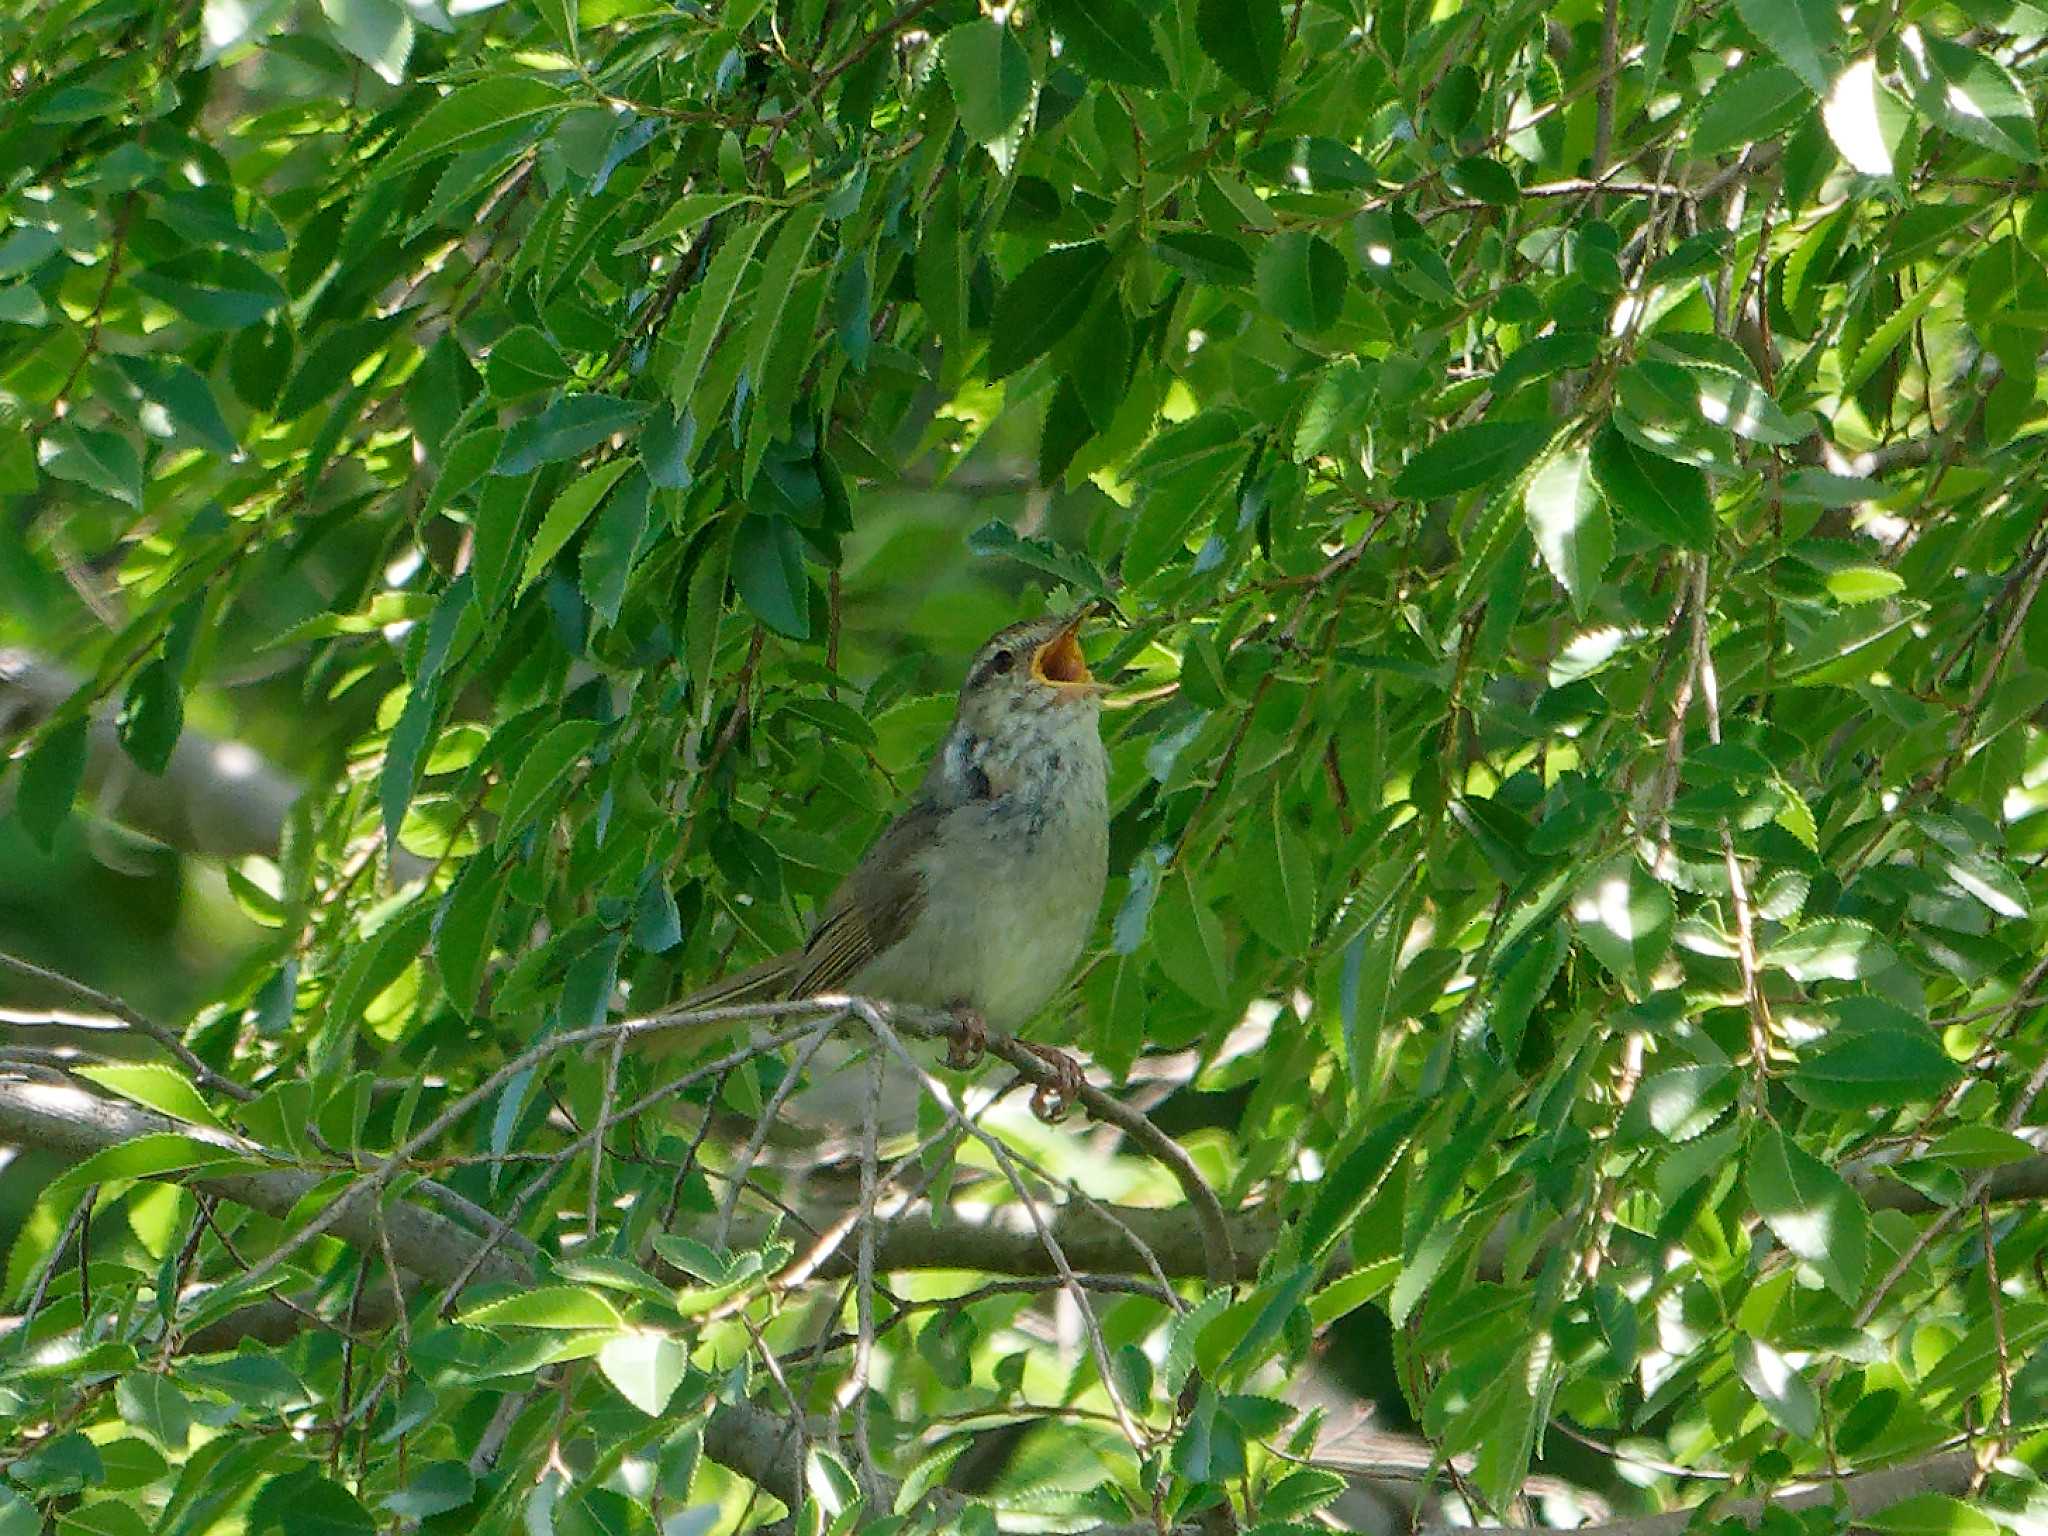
x=979, y=896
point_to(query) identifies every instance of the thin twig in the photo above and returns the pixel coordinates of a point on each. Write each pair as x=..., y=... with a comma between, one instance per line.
x=115, y=1008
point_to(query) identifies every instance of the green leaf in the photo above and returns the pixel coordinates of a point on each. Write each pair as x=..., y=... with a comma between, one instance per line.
x=326, y=366
x=1485, y=453
x=1624, y=916
x=547, y=1306
x=543, y=768
x=1864, y=120
x=1108, y=40
x=1802, y=33
x=434, y=1489
x=1679, y=1104
x=1970, y=94
x=1072, y=567
x=150, y=1403
x=566, y=514
x=768, y=571
x=565, y=430
x=614, y=541
x=1898, y=1062
x=469, y=114
x=1486, y=180
x=152, y=716
x=714, y=297
x=1301, y=280
x=1864, y=583
x=155, y=1085
x=186, y=398
x=1356, y=1180
x=1741, y=405
x=1666, y=500
x=1809, y=1209
x=1043, y=303
x=1188, y=943
x=1885, y=340
x=147, y=1156
x=1569, y=521
x=219, y=290
x=102, y=461
x=1786, y=1395
x=1245, y=38
x=990, y=74
x=22, y=305
x=646, y=1366
x=1205, y=256
x=50, y=778
x=523, y=362
x=465, y=926
x=778, y=277
x=103, y=1517
x=1932, y=1514
x=304, y=1503
x=687, y=211
x=1831, y=949
x=379, y=32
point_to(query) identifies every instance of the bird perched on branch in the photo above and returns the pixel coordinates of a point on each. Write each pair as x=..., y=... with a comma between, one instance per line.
x=978, y=897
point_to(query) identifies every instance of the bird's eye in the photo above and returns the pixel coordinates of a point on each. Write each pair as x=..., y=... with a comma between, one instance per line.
x=1000, y=663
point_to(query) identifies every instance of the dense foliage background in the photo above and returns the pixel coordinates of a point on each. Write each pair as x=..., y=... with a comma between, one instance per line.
x=497, y=499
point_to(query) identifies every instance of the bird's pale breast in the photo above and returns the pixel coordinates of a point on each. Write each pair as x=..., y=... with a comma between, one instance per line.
x=1012, y=885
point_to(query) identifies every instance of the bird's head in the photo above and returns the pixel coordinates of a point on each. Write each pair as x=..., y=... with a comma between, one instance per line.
x=1030, y=671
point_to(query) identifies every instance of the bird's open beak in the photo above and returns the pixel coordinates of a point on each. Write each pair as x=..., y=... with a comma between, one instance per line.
x=1059, y=662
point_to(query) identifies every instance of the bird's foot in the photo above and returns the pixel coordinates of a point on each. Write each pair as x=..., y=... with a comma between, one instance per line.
x=970, y=1040
x=1051, y=1101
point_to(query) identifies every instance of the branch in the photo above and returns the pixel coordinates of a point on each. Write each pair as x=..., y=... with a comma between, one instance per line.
x=63, y=1118
x=1865, y=1493
x=216, y=798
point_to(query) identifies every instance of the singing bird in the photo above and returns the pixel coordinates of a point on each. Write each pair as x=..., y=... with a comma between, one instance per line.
x=979, y=896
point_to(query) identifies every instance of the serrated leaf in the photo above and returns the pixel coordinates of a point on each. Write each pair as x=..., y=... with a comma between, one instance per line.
x=1570, y=523
x=714, y=297
x=1802, y=33
x=1866, y=1069
x=646, y=1365
x=155, y=1085
x=1301, y=280
x=1245, y=38
x=1786, y=1395
x=1810, y=1209
x=990, y=75
x=547, y=1306
x=1970, y=94
x=544, y=767
x=468, y=114
x=1485, y=453
x=99, y=460
x=379, y=32
x=1043, y=303
x=147, y=1156
x=1109, y=40
x=768, y=572
x=566, y=514
x=1670, y=501
x=1831, y=949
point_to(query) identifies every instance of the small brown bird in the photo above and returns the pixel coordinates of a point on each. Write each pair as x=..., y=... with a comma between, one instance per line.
x=979, y=896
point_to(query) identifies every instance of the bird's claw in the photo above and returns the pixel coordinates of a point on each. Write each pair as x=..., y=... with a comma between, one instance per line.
x=1051, y=1101
x=970, y=1040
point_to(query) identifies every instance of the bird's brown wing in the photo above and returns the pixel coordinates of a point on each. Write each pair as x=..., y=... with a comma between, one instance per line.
x=872, y=909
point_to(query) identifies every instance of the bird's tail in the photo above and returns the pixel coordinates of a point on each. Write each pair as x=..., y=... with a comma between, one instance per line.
x=761, y=983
